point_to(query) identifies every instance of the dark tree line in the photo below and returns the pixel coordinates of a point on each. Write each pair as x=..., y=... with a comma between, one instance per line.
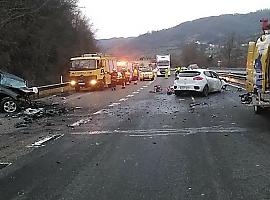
x=38, y=37
x=232, y=53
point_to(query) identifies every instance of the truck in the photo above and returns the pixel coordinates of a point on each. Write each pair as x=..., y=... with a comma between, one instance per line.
x=91, y=71
x=258, y=71
x=163, y=62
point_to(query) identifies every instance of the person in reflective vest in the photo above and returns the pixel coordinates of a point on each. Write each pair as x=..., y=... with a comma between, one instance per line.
x=166, y=73
x=123, y=72
x=114, y=79
x=177, y=70
x=127, y=74
x=135, y=75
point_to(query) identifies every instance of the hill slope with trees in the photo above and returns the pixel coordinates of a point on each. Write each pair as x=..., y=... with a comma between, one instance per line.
x=213, y=30
x=37, y=38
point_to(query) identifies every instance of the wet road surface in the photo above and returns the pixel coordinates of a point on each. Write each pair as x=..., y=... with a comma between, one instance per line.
x=134, y=144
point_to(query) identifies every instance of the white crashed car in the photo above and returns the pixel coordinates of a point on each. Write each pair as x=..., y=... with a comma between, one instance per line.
x=198, y=80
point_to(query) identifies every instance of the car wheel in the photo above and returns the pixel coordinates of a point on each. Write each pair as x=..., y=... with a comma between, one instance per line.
x=205, y=91
x=177, y=92
x=9, y=105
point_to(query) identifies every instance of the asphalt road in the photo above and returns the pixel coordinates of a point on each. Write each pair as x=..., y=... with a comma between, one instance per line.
x=134, y=144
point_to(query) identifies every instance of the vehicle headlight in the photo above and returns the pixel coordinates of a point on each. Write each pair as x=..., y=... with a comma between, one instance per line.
x=93, y=82
x=72, y=82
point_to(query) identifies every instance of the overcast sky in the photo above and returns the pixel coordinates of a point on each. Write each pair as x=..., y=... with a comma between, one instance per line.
x=125, y=18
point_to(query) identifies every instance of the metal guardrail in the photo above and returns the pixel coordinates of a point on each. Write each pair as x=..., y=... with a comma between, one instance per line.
x=236, y=78
x=53, y=86
x=48, y=90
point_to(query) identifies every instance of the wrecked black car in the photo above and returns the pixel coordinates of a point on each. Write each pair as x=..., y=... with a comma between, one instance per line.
x=14, y=93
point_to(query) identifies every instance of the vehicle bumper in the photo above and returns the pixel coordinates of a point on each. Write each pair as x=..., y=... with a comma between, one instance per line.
x=147, y=77
x=87, y=85
x=197, y=88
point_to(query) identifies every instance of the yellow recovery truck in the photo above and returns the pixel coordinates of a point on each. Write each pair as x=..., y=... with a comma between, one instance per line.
x=91, y=71
x=258, y=71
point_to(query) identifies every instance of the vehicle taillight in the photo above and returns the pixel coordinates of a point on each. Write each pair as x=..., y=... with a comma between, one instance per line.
x=198, y=78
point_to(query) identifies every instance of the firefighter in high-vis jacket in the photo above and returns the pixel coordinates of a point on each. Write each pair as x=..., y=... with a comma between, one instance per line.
x=127, y=74
x=114, y=79
x=135, y=75
x=166, y=73
x=177, y=70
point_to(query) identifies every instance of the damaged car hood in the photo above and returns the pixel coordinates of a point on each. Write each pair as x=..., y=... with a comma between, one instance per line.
x=13, y=91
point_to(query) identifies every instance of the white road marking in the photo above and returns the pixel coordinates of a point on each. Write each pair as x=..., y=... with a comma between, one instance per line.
x=135, y=92
x=141, y=88
x=150, y=135
x=114, y=104
x=193, y=99
x=165, y=132
x=145, y=86
x=82, y=121
x=123, y=99
x=138, y=90
x=42, y=142
x=98, y=112
x=130, y=95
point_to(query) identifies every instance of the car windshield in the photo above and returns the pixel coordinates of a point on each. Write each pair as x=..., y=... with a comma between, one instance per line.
x=12, y=82
x=163, y=63
x=83, y=64
x=189, y=74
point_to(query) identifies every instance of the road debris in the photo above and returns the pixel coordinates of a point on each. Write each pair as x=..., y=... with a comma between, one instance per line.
x=170, y=90
x=37, y=111
x=157, y=88
x=31, y=111
x=246, y=98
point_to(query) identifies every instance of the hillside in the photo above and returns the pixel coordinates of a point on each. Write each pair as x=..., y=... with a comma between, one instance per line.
x=209, y=30
x=37, y=38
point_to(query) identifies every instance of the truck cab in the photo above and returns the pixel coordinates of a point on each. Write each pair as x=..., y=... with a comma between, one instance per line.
x=91, y=71
x=163, y=64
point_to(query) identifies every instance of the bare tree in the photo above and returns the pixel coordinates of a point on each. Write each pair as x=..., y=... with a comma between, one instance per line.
x=228, y=48
x=191, y=53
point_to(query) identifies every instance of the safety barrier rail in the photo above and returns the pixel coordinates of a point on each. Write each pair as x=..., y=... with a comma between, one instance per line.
x=53, y=86
x=48, y=90
x=232, y=77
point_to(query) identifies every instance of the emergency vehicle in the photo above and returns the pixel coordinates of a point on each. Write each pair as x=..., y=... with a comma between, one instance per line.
x=258, y=72
x=91, y=71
